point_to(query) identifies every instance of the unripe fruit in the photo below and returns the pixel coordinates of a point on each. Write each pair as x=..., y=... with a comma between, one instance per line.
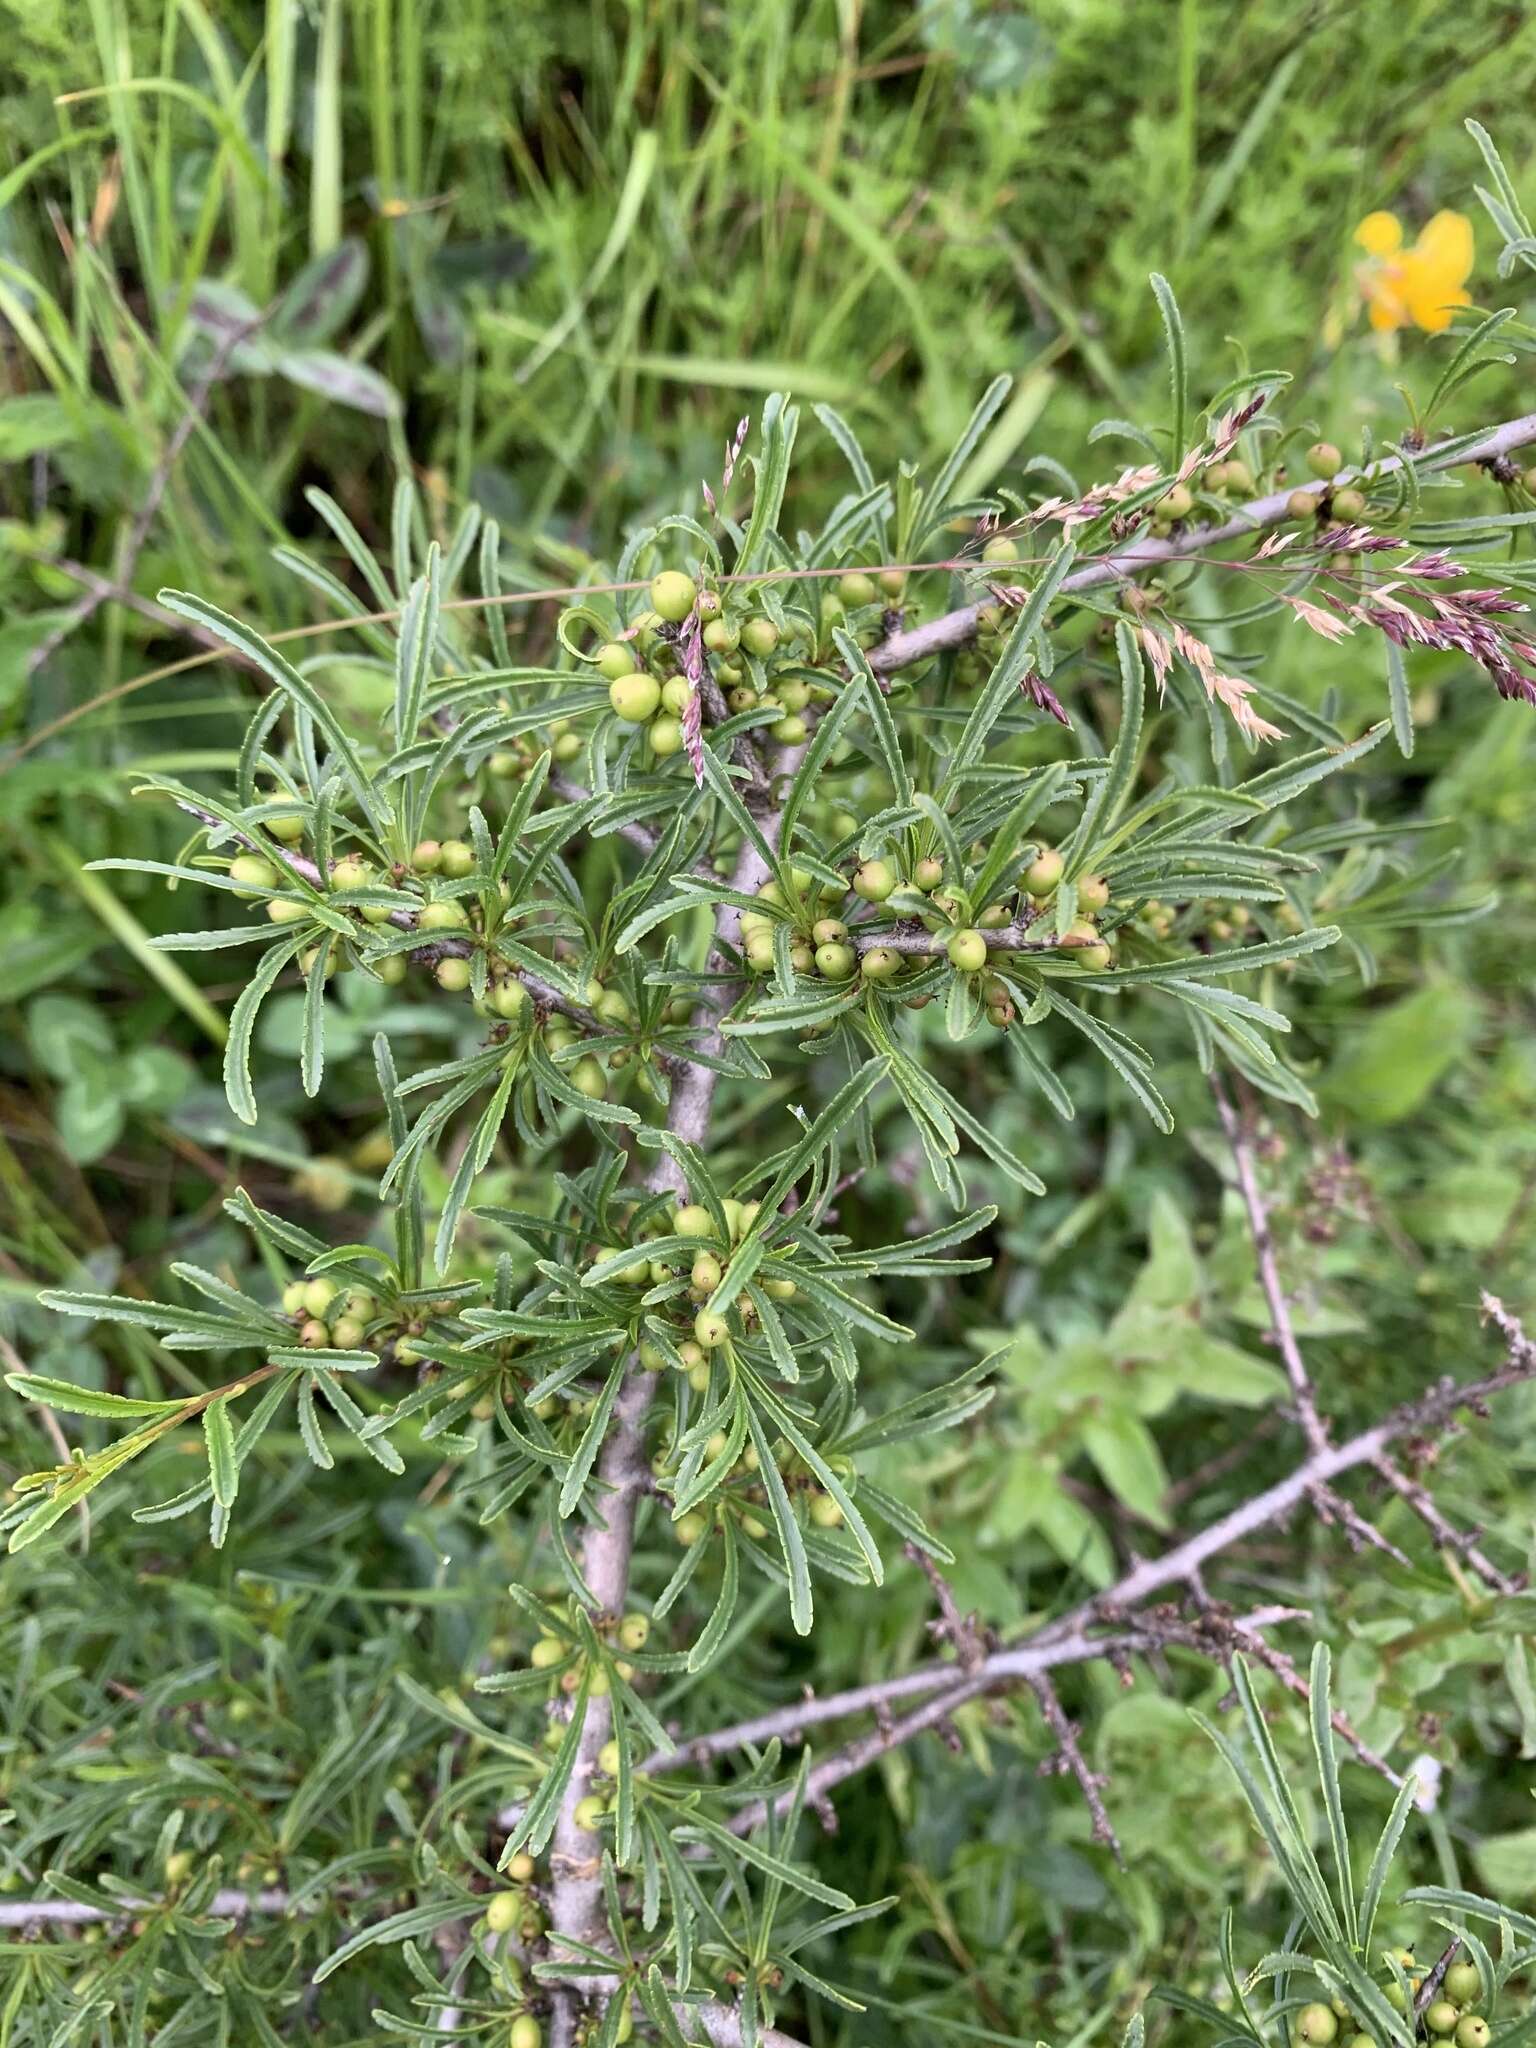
x=673, y=595
x=967, y=951
x=251, y=868
x=442, y=917
x=319, y=1294
x=351, y=872
x=314, y=1336
x=1317, y=2025
x=759, y=951
x=789, y=732
x=688, y=1529
x=613, y=1007
x=525, y=2030
x=857, y=588
x=829, y=931
x=503, y=1910
x=1463, y=1983
x=634, y=1631
x=289, y=827
x=1176, y=502
x=635, y=698
x=676, y=691
x=179, y=1866
x=721, y=637
x=874, y=881
x=834, y=961
x=546, y=1651
x=825, y=1512
x=880, y=964
x=1002, y=547
x=453, y=975
x=1441, y=2017
x=733, y=1216
x=927, y=875
x=458, y=859
x=706, y=1273
x=693, y=1220
x=710, y=1330
x=1087, y=948
x=587, y=1078
x=1044, y=872
x=509, y=998
x=347, y=1334
x=1092, y=892
x=293, y=1297
x=1323, y=459
x=1349, y=505
x=760, y=636
x=666, y=736
x=994, y=918
x=282, y=911
x=1301, y=505
x=801, y=957
x=614, y=660
x=1471, y=2032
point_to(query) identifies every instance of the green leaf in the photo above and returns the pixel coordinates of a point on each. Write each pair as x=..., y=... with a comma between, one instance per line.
x=73, y=1400
x=242, y=1023
x=219, y=1435
x=1178, y=366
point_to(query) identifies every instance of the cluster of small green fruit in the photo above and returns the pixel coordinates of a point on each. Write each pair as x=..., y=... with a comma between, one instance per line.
x=1450, y=2020
x=820, y=943
x=708, y=1330
x=742, y=1493
x=332, y=1317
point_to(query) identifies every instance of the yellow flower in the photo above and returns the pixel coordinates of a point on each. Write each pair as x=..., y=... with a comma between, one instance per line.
x=1421, y=285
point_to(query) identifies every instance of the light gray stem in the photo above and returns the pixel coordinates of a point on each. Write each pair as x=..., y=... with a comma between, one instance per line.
x=958, y=628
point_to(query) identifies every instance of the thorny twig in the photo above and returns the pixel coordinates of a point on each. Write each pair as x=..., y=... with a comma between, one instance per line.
x=1089, y=1782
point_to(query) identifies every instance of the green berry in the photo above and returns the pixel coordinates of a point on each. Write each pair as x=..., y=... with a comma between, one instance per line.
x=503, y=1910
x=634, y=1631
x=673, y=595
x=453, y=975
x=426, y=856
x=442, y=917
x=1301, y=505
x=319, y=1293
x=525, y=2031
x=587, y=1078
x=689, y=1528
x=927, y=875
x=351, y=872
x=1323, y=459
x=666, y=736
x=253, y=870
x=293, y=1297
x=1441, y=2017
x=509, y=998
x=874, y=881
x=880, y=963
x=856, y=588
x=693, y=1220
x=1463, y=1983
x=827, y=931
x=967, y=951
x=1092, y=892
x=547, y=1651
x=289, y=827
x=1349, y=504
x=720, y=636
x=1471, y=2032
x=347, y=1333
x=789, y=732
x=835, y=962
x=675, y=693
x=1002, y=547
x=710, y=1330
x=283, y=911
x=1317, y=2025
x=1176, y=502
x=825, y=1512
x=1044, y=872
x=615, y=660
x=458, y=859
x=315, y=1335
x=706, y=1273
x=635, y=698
x=760, y=636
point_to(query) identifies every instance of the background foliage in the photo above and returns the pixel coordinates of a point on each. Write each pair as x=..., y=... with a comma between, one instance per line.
x=545, y=258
